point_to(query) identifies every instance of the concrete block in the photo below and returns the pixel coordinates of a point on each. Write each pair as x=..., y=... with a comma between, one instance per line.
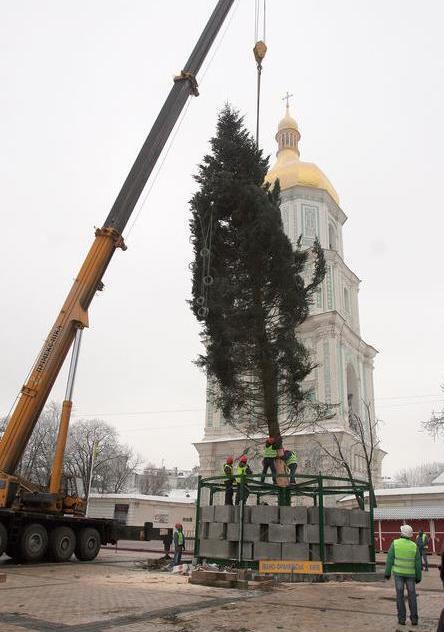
x=359, y=518
x=336, y=517
x=203, y=529
x=282, y=533
x=217, y=531
x=364, y=536
x=233, y=532
x=292, y=551
x=293, y=515
x=309, y=534
x=313, y=515
x=330, y=535
x=223, y=513
x=207, y=513
x=247, y=551
x=315, y=552
x=247, y=514
x=264, y=514
x=361, y=553
x=217, y=549
x=348, y=535
x=267, y=551
x=342, y=553
x=252, y=532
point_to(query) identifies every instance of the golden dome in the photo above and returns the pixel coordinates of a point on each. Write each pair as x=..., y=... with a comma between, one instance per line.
x=288, y=122
x=292, y=171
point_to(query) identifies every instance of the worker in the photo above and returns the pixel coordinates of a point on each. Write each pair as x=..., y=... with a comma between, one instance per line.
x=229, y=480
x=422, y=542
x=243, y=469
x=404, y=560
x=269, y=460
x=291, y=461
x=179, y=543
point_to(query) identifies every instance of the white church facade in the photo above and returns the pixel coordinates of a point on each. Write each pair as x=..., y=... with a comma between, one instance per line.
x=344, y=373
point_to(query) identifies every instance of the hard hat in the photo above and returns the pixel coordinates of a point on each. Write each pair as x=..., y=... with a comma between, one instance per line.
x=229, y=460
x=406, y=531
x=178, y=525
x=244, y=458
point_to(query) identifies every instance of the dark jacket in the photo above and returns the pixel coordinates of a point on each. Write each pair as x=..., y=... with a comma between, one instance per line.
x=176, y=539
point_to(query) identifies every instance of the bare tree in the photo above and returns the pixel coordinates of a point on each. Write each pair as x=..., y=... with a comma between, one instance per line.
x=419, y=474
x=154, y=480
x=364, y=444
x=435, y=425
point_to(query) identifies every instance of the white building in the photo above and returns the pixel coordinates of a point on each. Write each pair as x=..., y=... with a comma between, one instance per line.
x=344, y=376
x=136, y=509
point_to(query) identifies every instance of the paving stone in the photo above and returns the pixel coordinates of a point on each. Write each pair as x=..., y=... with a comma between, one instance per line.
x=361, y=553
x=313, y=515
x=207, y=513
x=348, y=535
x=217, y=549
x=281, y=533
x=247, y=514
x=292, y=551
x=336, y=517
x=293, y=515
x=217, y=531
x=359, y=518
x=267, y=551
x=264, y=514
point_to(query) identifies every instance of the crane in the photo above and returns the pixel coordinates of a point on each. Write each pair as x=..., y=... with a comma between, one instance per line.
x=34, y=520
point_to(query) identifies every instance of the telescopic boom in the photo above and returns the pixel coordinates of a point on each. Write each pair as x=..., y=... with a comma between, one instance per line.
x=74, y=313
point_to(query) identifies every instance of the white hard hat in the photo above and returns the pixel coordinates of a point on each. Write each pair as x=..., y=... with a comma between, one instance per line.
x=407, y=531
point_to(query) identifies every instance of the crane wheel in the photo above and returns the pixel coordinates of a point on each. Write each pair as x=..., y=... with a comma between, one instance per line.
x=3, y=539
x=88, y=544
x=33, y=542
x=62, y=542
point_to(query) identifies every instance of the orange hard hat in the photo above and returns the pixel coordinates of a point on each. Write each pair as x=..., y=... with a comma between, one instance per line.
x=244, y=458
x=229, y=460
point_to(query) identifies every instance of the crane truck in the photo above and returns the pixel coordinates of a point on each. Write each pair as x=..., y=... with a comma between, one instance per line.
x=37, y=522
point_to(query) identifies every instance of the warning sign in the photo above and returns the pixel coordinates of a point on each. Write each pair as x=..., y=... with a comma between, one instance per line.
x=290, y=566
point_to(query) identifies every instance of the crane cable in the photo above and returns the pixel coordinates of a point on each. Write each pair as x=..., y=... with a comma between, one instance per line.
x=259, y=50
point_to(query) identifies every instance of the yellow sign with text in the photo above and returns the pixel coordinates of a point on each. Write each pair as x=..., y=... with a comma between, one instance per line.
x=290, y=566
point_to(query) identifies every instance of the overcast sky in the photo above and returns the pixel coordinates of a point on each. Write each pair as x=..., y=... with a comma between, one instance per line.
x=81, y=85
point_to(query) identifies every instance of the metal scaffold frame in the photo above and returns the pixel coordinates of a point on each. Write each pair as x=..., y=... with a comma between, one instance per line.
x=312, y=486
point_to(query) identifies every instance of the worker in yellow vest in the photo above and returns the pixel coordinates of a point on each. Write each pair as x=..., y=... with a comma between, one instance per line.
x=229, y=480
x=243, y=469
x=422, y=542
x=404, y=561
x=269, y=460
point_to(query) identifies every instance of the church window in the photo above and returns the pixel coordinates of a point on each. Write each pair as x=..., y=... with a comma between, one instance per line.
x=310, y=221
x=318, y=299
x=330, y=294
x=347, y=300
x=332, y=241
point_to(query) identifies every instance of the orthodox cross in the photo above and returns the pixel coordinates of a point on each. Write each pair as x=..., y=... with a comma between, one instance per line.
x=287, y=98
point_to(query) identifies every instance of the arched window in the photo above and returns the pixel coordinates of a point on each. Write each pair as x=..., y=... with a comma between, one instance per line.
x=347, y=300
x=352, y=396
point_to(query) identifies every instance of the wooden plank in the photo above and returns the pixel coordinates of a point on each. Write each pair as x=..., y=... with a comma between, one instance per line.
x=213, y=575
x=214, y=583
x=2, y=577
